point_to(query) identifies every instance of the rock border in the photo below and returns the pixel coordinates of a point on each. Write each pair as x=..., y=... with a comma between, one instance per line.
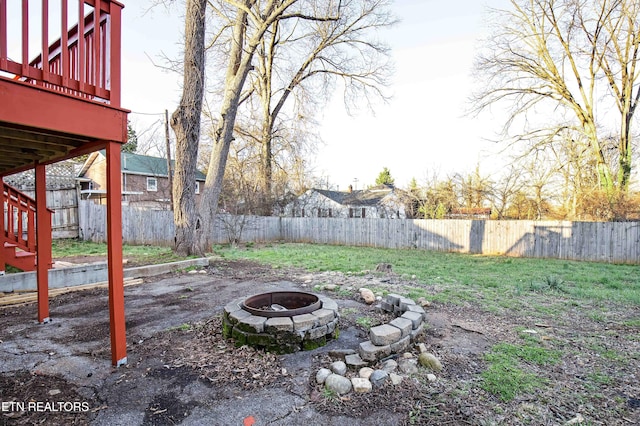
x=397, y=335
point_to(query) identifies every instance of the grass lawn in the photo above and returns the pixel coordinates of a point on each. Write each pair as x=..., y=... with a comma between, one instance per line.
x=464, y=276
x=135, y=255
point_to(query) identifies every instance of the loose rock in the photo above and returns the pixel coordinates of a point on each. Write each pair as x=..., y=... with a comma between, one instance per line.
x=367, y=295
x=365, y=372
x=338, y=384
x=361, y=385
x=431, y=377
x=408, y=365
x=339, y=367
x=378, y=378
x=429, y=360
x=322, y=375
x=389, y=366
x=396, y=379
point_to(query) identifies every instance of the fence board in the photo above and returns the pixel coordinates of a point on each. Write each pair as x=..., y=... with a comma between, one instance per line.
x=605, y=242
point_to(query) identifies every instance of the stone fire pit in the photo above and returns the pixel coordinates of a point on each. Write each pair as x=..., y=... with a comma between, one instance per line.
x=281, y=321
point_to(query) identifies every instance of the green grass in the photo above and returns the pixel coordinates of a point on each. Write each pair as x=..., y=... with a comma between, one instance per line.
x=463, y=276
x=145, y=255
x=507, y=375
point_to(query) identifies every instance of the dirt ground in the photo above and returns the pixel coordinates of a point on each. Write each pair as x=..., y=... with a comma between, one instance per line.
x=181, y=370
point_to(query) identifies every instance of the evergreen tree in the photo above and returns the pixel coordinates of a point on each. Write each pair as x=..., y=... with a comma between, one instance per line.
x=384, y=178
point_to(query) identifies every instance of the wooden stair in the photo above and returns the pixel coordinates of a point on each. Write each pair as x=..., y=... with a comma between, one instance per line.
x=18, y=258
x=17, y=229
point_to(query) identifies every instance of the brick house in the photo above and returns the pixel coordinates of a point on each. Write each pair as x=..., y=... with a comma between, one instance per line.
x=144, y=179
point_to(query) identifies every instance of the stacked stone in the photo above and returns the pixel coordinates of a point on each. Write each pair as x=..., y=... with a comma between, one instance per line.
x=398, y=334
x=281, y=334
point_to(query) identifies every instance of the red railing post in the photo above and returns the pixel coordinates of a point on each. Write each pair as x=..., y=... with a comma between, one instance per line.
x=64, y=41
x=3, y=34
x=45, y=40
x=115, y=11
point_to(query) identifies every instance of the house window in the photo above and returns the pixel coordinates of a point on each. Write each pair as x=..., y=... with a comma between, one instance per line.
x=197, y=187
x=152, y=184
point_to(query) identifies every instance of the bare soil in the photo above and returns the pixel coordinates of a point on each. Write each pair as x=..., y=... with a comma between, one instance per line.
x=181, y=370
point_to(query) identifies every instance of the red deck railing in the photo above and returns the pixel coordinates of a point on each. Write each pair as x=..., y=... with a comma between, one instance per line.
x=86, y=67
x=18, y=219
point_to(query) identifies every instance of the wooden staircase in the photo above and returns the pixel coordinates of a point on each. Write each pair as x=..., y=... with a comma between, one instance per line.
x=17, y=230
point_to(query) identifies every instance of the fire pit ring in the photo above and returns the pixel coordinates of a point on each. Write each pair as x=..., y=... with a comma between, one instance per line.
x=281, y=321
x=281, y=304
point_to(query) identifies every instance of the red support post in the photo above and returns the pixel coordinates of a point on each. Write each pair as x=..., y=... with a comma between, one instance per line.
x=2, y=236
x=43, y=244
x=45, y=40
x=114, y=251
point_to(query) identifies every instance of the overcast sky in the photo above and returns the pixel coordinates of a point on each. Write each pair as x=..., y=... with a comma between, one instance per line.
x=421, y=130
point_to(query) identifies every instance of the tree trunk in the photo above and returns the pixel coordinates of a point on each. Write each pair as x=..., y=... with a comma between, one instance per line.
x=237, y=70
x=185, y=122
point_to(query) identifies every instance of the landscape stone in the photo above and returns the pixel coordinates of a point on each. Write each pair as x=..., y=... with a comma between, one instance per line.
x=418, y=309
x=417, y=333
x=422, y=348
x=322, y=375
x=338, y=367
x=429, y=360
x=394, y=299
x=396, y=379
x=252, y=324
x=329, y=304
x=303, y=322
x=378, y=378
x=330, y=287
x=384, y=334
x=354, y=361
x=431, y=377
x=389, y=366
x=316, y=333
x=403, y=324
x=338, y=384
x=408, y=365
x=405, y=302
x=324, y=316
x=365, y=372
x=236, y=316
x=386, y=306
x=401, y=345
x=233, y=306
x=331, y=327
x=367, y=295
x=370, y=352
x=361, y=385
x=340, y=353
x=276, y=324
x=414, y=317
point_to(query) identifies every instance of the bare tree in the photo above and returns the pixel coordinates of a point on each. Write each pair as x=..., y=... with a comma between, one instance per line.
x=185, y=122
x=567, y=56
x=296, y=57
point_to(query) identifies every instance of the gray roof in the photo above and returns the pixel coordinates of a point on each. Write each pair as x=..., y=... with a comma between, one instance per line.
x=145, y=165
x=368, y=197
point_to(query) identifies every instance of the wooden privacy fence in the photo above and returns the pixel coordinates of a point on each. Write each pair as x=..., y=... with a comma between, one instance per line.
x=617, y=242
x=64, y=203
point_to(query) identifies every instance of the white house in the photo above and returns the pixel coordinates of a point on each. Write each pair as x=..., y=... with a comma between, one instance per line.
x=382, y=201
